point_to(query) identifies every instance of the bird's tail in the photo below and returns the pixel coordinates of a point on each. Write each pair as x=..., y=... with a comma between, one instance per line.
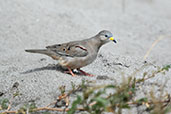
x=41, y=51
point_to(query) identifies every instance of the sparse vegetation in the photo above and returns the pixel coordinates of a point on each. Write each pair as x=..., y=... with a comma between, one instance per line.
x=97, y=99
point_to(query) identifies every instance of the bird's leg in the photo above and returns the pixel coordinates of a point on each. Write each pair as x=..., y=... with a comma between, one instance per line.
x=85, y=73
x=70, y=71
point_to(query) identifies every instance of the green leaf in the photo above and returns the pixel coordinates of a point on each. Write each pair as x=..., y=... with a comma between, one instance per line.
x=73, y=85
x=134, y=83
x=32, y=106
x=17, y=93
x=145, y=99
x=46, y=113
x=125, y=106
x=110, y=86
x=74, y=105
x=88, y=93
x=167, y=110
x=99, y=93
x=102, y=102
x=4, y=103
x=167, y=67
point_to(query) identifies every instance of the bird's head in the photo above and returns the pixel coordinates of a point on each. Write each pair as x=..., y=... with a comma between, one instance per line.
x=106, y=36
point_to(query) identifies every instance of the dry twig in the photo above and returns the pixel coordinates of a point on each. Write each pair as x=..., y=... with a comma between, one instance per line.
x=153, y=44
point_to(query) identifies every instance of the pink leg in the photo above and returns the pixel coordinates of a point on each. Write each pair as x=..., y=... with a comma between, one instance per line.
x=86, y=74
x=70, y=71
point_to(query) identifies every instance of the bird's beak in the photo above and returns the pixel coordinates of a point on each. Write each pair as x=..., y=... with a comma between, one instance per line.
x=111, y=38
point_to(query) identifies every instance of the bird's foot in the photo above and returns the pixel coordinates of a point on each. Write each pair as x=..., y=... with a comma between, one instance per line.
x=70, y=71
x=84, y=73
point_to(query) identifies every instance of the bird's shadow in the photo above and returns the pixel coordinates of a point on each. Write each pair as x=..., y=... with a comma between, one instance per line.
x=56, y=67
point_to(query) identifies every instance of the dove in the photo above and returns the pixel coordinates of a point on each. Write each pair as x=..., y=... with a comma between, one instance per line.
x=77, y=54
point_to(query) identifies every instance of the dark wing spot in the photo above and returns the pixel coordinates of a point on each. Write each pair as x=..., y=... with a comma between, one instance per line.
x=58, y=45
x=69, y=48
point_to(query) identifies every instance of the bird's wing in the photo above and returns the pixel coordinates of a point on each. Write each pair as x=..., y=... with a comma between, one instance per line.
x=71, y=49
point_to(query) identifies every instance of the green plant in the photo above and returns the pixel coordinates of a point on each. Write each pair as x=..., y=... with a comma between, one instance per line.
x=97, y=99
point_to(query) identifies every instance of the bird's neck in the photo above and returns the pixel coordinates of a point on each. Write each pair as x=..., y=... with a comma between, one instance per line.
x=97, y=43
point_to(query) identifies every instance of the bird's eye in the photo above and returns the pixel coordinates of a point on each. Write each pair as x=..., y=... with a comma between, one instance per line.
x=106, y=35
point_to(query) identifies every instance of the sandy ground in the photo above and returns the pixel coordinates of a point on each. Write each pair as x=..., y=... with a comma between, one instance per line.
x=26, y=24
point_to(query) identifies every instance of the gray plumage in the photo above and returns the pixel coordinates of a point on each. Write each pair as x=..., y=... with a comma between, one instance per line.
x=76, y=54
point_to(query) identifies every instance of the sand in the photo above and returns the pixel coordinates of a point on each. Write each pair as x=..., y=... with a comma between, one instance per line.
x=26, y=24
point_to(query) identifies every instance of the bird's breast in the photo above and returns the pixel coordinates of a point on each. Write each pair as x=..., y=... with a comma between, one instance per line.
x=77, y=62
